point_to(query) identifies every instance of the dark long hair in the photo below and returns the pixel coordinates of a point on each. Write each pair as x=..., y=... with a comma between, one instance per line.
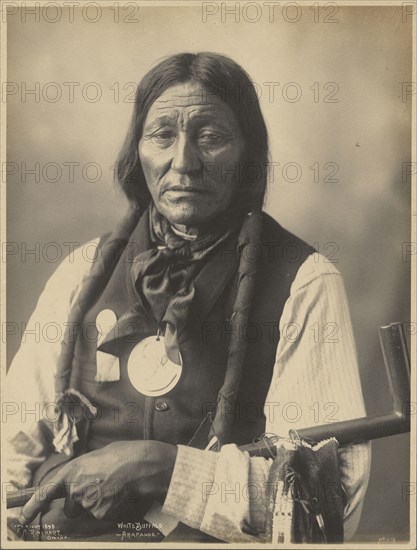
x=218, y=75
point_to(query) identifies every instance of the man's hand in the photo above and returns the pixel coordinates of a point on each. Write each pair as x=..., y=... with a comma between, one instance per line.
x=98, y=481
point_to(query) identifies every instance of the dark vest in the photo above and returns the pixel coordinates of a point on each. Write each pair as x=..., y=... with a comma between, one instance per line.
x=177, y=417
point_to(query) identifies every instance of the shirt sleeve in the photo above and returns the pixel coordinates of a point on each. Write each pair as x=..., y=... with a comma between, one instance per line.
x=30, y=389
x=315, y=380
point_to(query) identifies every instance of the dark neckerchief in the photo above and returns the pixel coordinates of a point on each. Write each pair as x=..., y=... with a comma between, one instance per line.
x=164, y=275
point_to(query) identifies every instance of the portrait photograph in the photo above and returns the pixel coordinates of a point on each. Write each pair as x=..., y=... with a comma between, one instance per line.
x=208, y=286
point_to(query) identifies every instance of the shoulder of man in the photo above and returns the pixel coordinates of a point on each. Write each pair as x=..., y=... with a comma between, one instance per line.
x=274, y=232
x=287, y=255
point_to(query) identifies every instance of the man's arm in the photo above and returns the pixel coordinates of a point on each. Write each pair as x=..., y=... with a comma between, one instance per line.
x=319, y=372
x=316, y=380
x=30, y=380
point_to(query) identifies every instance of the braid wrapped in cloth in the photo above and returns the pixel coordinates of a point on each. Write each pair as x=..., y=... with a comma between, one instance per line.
x=249, y=236
x=107, y=256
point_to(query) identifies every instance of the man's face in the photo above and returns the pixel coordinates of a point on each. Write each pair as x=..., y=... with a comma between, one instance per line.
x=190, y=146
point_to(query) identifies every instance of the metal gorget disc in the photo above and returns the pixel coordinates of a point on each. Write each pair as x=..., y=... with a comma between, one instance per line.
x=149, y=369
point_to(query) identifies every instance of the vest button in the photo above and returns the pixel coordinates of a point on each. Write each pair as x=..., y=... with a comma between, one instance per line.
x=161, y=406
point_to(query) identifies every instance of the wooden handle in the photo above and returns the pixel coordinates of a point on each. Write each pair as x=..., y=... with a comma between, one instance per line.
x=19, y=498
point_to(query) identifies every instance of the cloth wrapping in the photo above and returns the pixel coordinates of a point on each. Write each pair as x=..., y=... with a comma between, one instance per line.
x=305, y=494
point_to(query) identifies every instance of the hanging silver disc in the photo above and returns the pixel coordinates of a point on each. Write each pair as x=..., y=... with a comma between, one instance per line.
x=149, y=369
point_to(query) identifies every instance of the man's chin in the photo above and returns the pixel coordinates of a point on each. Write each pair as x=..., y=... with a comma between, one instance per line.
x=188, y=217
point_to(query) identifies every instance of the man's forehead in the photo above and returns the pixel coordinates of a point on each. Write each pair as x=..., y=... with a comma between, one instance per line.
x=190, y=97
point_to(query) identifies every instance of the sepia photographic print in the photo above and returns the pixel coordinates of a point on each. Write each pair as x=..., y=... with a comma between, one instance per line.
x=208, y=253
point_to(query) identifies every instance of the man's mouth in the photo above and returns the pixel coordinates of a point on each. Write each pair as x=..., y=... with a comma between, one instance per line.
x=177, y=190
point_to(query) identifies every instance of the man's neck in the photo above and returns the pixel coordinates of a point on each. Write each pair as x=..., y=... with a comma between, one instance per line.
x=194, y=232
x=185, y=232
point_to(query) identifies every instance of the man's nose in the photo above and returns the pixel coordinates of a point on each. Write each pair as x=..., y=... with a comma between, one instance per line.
x=186, y=157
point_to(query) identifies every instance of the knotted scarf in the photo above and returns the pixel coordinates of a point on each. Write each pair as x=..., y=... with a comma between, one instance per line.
x=164, y=275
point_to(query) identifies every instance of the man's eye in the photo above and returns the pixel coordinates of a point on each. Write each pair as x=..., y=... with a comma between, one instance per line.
x=211, y=138
x=163, y=137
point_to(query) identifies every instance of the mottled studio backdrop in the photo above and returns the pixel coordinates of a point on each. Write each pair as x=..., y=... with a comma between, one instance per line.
x=338, y=115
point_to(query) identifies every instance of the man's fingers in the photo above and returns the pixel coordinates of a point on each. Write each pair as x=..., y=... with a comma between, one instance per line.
x=45, y=494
